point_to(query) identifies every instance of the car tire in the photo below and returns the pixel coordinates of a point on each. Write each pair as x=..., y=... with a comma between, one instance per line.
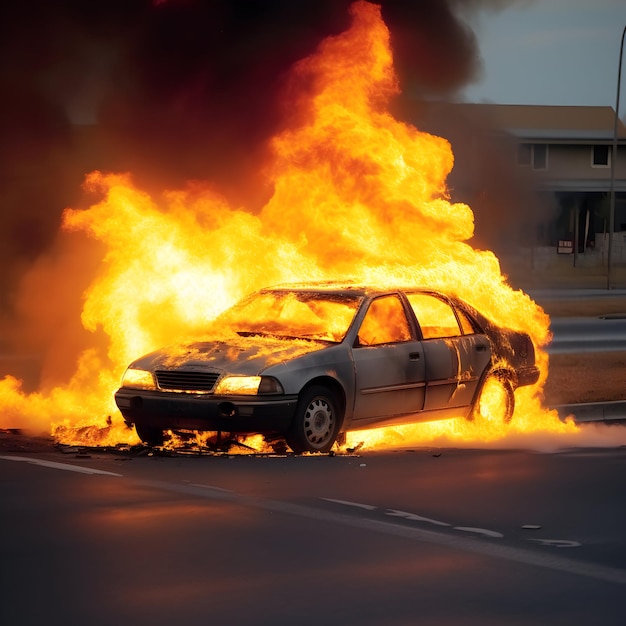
x=149, y=435
x=316, y=423
x=496, y=400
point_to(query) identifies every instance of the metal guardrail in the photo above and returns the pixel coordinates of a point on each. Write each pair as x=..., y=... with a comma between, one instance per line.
x=586, y=412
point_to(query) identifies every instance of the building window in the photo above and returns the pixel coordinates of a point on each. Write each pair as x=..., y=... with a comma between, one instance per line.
x=540, y=156
x=534, y=155
x=600, y=156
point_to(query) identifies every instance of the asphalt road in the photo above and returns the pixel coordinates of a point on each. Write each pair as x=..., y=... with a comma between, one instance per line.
x=423, y=536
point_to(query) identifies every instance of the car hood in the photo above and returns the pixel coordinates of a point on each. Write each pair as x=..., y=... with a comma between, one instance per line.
x=239, y=355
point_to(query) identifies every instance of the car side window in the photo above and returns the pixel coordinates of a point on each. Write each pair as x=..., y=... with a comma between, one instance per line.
x=384, y=322
x=436, y=317
x=466, y=323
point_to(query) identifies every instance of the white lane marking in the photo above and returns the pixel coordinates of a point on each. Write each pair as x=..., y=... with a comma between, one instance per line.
x=211, y=488
x=367, y=507
x=558, y=543
x=435, y=537
x=479, y=531
x=62, y=466
x=415, y=518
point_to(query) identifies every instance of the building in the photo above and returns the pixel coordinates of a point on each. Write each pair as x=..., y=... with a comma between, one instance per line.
x=541, y=175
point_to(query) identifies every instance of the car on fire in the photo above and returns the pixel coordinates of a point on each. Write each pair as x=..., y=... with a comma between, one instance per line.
x=310, y=362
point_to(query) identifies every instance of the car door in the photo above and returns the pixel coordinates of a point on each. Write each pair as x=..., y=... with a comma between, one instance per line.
x=388, y=362
x=455, y=356
x=473, y=350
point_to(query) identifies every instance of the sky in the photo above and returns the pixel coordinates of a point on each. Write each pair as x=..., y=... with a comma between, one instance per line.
x=550, y=52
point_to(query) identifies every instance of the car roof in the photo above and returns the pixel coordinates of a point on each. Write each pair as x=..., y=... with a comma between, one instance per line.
x=347, y=288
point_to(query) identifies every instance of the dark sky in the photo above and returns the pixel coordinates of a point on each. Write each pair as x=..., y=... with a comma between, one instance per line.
x=179, y=89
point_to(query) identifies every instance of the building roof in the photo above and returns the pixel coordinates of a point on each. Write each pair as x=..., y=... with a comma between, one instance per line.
x=558, y=123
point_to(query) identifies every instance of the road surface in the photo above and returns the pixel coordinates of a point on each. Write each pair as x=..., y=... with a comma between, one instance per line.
x=425, y=536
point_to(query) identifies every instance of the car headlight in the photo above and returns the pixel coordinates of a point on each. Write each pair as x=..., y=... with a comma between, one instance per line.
x=140, y=379
x=247, y=386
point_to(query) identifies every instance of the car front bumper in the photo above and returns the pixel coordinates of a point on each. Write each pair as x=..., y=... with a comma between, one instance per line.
x=189, y=411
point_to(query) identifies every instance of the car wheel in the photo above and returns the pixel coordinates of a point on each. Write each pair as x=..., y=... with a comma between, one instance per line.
x=149, y=435
x=316, y=422
x=496, y=400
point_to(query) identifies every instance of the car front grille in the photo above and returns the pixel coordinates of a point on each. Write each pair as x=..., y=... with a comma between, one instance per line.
x=177, y=380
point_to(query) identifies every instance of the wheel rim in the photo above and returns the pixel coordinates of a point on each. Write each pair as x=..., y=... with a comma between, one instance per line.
x=319, y=422
x=494, y=401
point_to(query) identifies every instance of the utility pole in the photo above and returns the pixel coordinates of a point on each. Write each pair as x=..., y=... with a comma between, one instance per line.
x=609, y=266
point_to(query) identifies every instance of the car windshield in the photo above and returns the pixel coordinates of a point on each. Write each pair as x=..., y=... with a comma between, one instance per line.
x=293, y=315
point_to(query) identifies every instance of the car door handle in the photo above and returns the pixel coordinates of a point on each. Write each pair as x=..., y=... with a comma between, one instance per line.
x=414, y=356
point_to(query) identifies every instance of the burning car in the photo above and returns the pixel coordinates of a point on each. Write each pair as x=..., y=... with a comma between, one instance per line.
x=310, y=362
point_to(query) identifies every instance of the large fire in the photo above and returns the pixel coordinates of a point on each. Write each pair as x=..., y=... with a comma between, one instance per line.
x=356, y=194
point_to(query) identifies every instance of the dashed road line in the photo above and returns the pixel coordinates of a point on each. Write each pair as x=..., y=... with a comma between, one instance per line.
x=558, y=543
x=414, y=517
x=413, y=533
x=480, y=531
x=358, y=505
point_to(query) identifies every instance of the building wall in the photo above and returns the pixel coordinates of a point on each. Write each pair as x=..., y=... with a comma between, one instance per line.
x=574, y=162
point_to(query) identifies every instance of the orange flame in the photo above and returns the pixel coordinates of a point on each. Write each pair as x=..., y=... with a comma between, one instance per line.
x=357, y=194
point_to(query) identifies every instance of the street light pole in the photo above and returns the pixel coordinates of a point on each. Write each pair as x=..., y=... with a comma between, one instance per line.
x=613, y=161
